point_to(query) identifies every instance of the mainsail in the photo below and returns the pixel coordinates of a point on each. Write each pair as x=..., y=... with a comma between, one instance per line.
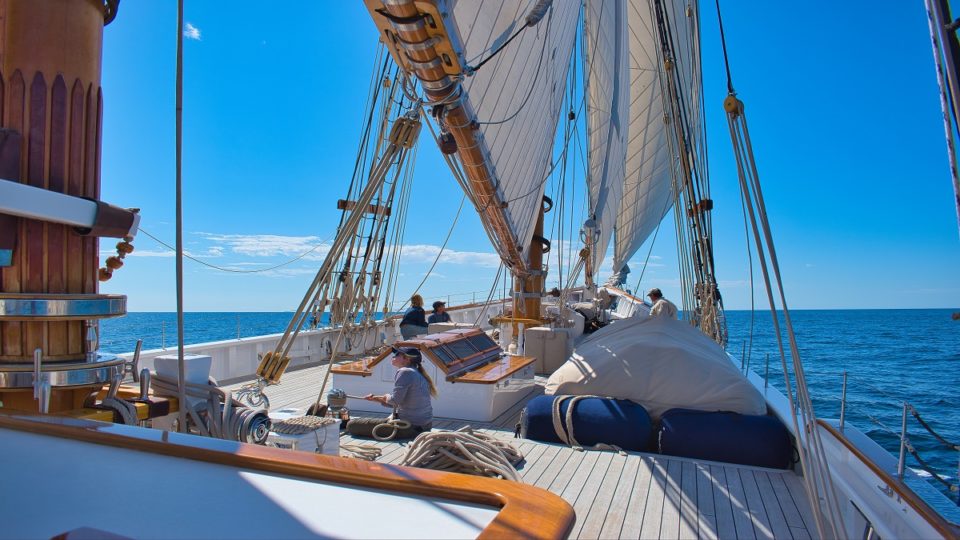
x=517, y=95
x=650, y=163
x=608, y=103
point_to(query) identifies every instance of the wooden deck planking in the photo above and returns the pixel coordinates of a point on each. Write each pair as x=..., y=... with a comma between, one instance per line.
x=689, y=510
x=616, y=512
x=534, y=471
x=738, y=503
x=653, y=512
x=758, y=514
x=600, y=505
x=589, y=490
x=639, y=494
x=706, y=512
x=723, y=510
x=670, y=520
x=579, y=477
x=798, y=493
x=790, y=511
x=772, y=506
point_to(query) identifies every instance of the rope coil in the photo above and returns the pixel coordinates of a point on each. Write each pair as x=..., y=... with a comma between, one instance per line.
x=217, y=414
x=464, y=451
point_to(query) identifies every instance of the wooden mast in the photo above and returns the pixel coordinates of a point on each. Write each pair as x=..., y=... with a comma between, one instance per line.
x=420, y=43
x=51, y=108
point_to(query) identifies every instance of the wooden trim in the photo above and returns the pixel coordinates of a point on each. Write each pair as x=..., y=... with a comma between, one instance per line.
x=371, y=208
x=944, y=527
x=525, y=511
x=483, y=375
x=352, y=368
x=621, y=292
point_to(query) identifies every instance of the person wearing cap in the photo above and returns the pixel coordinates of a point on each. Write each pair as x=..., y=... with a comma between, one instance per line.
x=439, y=313
x=661, y=306
x=414, y=322
x=410, y=398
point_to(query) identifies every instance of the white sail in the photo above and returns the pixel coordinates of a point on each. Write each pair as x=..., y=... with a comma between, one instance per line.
x=608, y=94
x=650, y=165
x=517, y=95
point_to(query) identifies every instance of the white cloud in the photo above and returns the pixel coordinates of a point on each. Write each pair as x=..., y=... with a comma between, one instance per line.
x=427, y=253
x=269, y=245
x=191, y=32
x=145, y=253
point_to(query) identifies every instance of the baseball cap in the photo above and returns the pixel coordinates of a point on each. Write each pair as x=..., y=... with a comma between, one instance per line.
x=412, y=353
x=654, y=292
x=438, y=303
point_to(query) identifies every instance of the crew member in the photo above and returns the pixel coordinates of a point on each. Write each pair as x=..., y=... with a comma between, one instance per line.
x=661, y=306
x=439, y=313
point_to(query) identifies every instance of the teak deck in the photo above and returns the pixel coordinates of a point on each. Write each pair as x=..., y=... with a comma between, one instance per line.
x=639, y=495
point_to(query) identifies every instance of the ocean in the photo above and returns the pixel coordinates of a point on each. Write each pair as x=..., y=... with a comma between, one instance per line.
x=891, y=356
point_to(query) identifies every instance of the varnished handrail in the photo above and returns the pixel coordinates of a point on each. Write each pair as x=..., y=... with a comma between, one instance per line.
x=944, y=527
x=525, y=511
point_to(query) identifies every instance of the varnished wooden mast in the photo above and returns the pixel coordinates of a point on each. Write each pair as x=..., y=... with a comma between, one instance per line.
x=50, y=99
x=429, y=56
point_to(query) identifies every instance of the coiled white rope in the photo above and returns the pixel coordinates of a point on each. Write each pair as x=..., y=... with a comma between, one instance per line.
x=464, y=451
x=366, y=452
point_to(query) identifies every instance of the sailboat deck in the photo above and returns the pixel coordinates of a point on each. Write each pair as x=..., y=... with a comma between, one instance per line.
x=638, y=495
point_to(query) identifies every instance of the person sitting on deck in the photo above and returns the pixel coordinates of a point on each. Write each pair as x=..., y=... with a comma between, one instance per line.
x=661, y=306
x=414, y=321
x=410, y=399
x=439, y=313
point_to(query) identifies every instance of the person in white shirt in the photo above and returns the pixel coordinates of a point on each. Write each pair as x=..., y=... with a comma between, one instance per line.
x=661, y=306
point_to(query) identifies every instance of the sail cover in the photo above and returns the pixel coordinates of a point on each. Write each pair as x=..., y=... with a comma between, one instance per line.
x=517, y=95
x=608, y=93
x=650, y=167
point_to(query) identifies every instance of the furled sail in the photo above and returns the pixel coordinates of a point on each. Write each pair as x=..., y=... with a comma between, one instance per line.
x=650, y=163
x=517, y=95
x=608, y=102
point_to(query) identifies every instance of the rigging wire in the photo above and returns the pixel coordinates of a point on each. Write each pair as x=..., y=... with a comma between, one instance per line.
x=653, y=241
x=536, y=75
x=234, y=270
x=453, y=226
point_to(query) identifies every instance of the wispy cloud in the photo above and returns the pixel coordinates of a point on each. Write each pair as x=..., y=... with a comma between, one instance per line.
x=268, y=245
x=427, y=253
x=143, y=253
x=191, y=32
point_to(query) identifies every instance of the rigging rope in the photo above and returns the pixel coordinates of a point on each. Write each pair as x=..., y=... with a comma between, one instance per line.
x=948, y=444
x=234, y=270
x=453, y=226
x=817, y=479
x=464, y=451
x=536, y=75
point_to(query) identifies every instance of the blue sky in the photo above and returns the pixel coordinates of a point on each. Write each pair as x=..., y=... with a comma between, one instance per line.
x=841, y=99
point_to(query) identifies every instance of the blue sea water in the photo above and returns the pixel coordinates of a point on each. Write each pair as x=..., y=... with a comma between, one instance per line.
x=891, y=356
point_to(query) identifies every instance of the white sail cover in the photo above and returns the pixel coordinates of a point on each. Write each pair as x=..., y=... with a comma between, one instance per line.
x=660, y=363
x=608, y=103
x=650, y=166
x=517, y=95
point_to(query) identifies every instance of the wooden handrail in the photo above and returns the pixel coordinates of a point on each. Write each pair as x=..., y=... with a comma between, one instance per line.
x=944, y=527
x=525, y=511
